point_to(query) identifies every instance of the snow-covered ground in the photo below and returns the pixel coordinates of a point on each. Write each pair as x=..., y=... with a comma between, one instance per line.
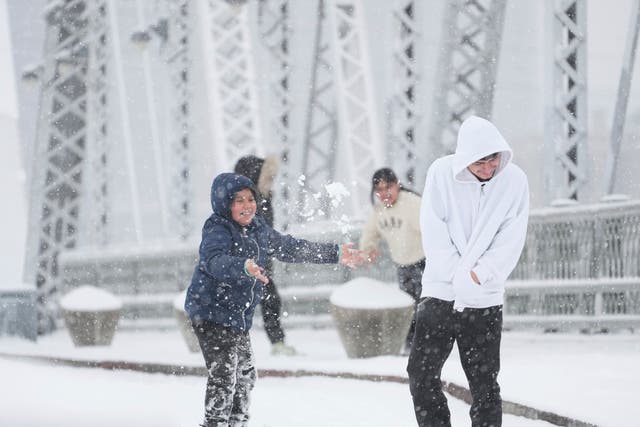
x=592, y=378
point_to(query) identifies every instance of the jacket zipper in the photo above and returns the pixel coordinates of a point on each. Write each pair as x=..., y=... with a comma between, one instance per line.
x=253, y=286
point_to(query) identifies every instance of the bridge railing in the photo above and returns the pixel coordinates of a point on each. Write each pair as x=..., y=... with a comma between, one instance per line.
x=579, y=269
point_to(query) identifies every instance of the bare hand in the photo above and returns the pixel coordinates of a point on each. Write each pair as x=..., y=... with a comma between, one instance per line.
x=372, y=255
x=351, y=257
x=255, y=270
x=474, y=277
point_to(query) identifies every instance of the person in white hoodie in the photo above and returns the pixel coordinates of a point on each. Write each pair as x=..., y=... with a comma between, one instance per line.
x=473, y=220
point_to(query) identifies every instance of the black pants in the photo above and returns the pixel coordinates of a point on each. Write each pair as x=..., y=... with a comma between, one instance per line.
x=410, y=279
x=229, y=359
x=477, y=332
x=271, y=308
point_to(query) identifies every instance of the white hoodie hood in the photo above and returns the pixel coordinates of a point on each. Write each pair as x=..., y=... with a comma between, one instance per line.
x=478, y=138
x=468, y=225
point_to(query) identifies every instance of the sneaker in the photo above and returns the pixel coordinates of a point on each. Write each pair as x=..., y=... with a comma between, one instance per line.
x=282, y=349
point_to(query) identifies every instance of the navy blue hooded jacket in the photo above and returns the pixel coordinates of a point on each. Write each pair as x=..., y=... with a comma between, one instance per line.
x=220, y=290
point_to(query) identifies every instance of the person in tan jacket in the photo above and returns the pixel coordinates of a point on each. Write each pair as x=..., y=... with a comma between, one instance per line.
x=396, y=220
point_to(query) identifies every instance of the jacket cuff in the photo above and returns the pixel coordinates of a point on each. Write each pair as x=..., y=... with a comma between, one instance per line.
x=245, y=268
x=483, y=273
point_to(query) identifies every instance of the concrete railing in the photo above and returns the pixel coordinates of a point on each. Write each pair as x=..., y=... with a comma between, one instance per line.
x=146, y=278
x=580, y=268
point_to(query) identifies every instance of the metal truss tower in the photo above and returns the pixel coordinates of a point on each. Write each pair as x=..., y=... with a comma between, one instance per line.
x=404, y=114
x=74, y=65
x=178, y=63
x=466, y=70
x=567, y=119
x=273, y=22
x=232, y=75
x=361, y=143
x=318, y=150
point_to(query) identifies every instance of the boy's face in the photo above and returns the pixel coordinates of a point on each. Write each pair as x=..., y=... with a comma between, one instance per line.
x=485, y=168
x=243, y=207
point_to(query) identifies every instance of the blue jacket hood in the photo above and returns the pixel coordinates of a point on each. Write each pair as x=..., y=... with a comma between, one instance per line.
x=224, y=188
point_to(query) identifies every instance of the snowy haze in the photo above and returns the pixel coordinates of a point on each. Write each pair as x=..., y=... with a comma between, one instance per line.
x=13, y=214
x=519, y=105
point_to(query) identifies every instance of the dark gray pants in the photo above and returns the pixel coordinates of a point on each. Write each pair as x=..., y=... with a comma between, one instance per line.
x=229, y=358
x=410, y=279
x=271, y=309
x=478, y=332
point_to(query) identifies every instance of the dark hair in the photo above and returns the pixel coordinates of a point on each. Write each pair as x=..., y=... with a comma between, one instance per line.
x=249, y=166
x=383, y=174
x=386, y=175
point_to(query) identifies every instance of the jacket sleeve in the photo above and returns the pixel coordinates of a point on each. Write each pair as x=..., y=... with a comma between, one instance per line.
x=441, y=254
x=215, y=258
x=370, y=238
x=289, y=249
x=499, y=260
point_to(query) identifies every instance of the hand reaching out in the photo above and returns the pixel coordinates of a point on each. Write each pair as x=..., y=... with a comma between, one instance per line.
x=371, y=256
x=351, y=257
x=255, y=270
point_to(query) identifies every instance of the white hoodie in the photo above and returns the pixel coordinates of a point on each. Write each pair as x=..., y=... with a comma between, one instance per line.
x=468, y=225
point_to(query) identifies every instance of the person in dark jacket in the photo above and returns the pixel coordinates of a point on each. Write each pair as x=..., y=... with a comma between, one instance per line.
x=262, y=172
x=227, y=284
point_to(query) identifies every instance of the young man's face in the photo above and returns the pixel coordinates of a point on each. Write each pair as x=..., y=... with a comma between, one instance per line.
x=387, y=192
x=243, y=207
x=484, y=168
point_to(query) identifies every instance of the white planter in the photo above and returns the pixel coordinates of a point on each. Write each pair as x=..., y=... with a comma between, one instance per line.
x=372, y=318
x=91, y=315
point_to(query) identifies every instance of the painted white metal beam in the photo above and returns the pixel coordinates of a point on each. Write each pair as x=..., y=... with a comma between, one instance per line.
x=467, y=66
x=232, y=77
x=60, y=153
x=566, y=139
x=275, y=32
x=360, y=142
x=404, y=154
x=622, y=100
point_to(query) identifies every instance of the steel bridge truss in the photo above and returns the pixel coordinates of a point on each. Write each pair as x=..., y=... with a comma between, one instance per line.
x=235, y=99
x=567, y=120
x=178, y=64
x=360, y=141
x=74, y=66
x=274, y=29
x=315, y=157
x=404, y=114
x=622, y=100
x=466, y=70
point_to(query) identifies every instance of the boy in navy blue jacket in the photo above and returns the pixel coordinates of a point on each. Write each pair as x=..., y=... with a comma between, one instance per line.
x=227, y=285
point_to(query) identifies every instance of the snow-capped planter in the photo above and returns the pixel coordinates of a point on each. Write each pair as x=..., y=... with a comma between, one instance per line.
x=184, y=324
x=372, y=317
x=91, y=315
